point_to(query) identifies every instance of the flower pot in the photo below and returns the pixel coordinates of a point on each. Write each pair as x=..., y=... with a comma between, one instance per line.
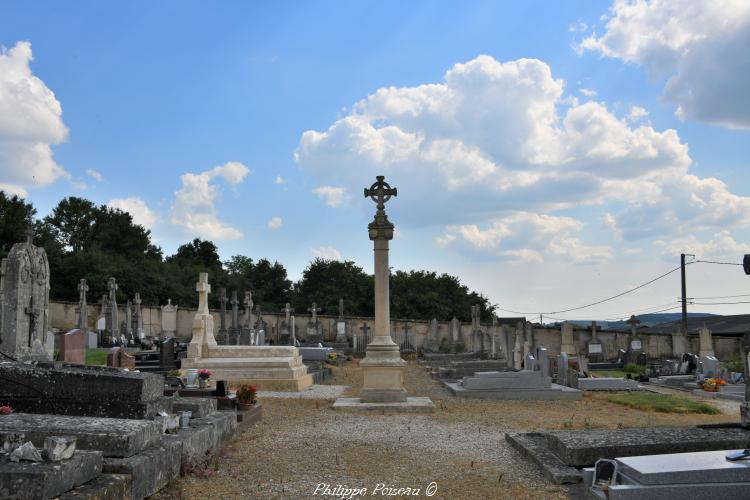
x=244, y=406
x=202, y=383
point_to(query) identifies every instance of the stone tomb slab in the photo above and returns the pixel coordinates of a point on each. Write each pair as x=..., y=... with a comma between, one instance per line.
x=506, y=380
x=102, y=487
x=608, y=384
x=411, y=405
x=552, y=393
x=82, y=390
x=114, y=437
x=44, y=480
x=584, y=448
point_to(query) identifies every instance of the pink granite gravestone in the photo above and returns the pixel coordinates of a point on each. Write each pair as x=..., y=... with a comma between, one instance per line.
x=72, y=346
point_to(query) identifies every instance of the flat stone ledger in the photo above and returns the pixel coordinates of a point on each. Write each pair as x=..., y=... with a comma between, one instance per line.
x=43, y=480
x=82, y=390
x=410, y=405
x=270, y=368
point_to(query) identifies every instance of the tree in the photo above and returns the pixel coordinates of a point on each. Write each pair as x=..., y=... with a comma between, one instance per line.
x=269, y=282
x=325, y=281
x=16, y=216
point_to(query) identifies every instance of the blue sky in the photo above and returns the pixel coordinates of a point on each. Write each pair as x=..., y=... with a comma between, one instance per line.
x=547, y=155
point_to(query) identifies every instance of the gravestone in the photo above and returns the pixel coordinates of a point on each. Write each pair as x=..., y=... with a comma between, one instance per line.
x=24, y=303
x=477, y=344
x=169, y=319
x=112, y=314
x=222, y=337
x=706, y=342
x=433, y=342
x=745, y=406
x=118, y=358
x=128, y=330
x=635, y=344
x=364, y=338
x=709, y=366
x=313, y=333
x=259, y=334
x=92, y=340
x=249, y=328
x=457, y=341
x=529, y=363
x=166, y=355
x=595, y=347
x=562, y=368
x=511, y=385
x=72, y=346
x=341, y=325
x=234, y=330
x=518, y=348
x=528, y=337
x=140, y=333
x=542, y=357
x=566, y=338
x=285, y=331
x=82, y=311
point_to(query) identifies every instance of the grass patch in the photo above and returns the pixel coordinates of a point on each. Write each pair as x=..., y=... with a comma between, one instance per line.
x=608, y=373
x=96, y=357
x=661, y=403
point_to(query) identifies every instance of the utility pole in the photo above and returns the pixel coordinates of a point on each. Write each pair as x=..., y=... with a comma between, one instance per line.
x=684, y=295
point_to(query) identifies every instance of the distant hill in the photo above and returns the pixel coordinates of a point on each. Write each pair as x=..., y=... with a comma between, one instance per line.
x=645, y=319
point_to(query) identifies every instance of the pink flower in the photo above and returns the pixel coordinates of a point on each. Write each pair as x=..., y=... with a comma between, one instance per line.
x=6, y=410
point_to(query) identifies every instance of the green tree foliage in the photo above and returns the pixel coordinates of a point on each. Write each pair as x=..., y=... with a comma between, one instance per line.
x=84, y=240
x=16, y=216
x=325, y=281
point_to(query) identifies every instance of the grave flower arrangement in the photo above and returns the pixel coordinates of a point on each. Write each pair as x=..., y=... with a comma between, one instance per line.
x=246, y=396
x=6, y=410
x=204, y=374
x=712, y=384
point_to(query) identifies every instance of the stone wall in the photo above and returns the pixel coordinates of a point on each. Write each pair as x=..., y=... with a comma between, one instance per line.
x=63, y=318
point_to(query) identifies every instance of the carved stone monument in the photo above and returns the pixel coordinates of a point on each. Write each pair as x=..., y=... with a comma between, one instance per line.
x=169, y=319
x=432, y=344
x=112, y=314
x=341, y=325
x=566, y=339
x=706, y=342
x=140, y=333
x=24, y=303
x=82, y=311
x=203, y=322
x=221, y=336
x=285, y=331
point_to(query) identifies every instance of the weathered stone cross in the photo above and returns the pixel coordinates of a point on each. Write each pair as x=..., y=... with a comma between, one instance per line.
x=112, y=289
x=633, y=322
x=380, y=192
x=365, y=329
x=83, y=288
x=287, y=312
x=314, y=310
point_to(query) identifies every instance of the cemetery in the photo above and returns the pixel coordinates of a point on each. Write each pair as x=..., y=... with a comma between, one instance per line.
x=457, y=250
x=168, y=404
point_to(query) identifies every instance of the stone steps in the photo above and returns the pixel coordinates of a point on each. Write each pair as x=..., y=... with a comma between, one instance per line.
x=45, y=480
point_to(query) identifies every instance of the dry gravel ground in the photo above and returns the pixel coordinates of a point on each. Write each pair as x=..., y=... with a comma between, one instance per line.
x=302, y=443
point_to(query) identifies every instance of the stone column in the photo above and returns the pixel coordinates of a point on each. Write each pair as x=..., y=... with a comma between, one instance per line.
x=706, y=342
x=566, y=339
x=382, y=366
x=745, y=406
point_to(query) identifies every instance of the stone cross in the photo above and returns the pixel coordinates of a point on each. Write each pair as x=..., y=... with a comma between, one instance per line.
x=314, y=310
x=112, y=286
x=137, y=316
x=235, y=311
x=475, y=317
x=203, y=289
x=341, y=308
x=380, y=192
x=593, y=331
x=365, y=330
x=114, y=323
x=287, y=312
x=222, y=309
x=633, y=322
x=248, y=302
x=82, y=306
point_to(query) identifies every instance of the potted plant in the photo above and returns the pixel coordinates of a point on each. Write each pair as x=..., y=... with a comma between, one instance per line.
x=246, y=397
x=203, y=376
x=6, y=410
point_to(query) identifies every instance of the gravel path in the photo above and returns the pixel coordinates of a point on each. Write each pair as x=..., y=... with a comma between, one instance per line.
x=302, y=443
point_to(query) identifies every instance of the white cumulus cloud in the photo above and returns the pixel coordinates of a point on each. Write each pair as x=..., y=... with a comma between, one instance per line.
x=327, y=253
x=699, y=47
x=722, y=244
x=332, y=195
x=280, y=180
x=30, y=123
x=274, y=223
x=95, y=174
x=137, y=208
x=194, y=203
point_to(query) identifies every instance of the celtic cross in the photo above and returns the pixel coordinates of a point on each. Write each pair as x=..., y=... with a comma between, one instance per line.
x=380, y=192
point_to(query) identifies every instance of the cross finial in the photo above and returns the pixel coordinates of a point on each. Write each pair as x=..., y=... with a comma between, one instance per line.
x=380, y=192
x=29, y=235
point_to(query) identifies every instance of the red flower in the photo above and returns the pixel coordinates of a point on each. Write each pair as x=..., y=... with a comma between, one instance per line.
x=6, y=410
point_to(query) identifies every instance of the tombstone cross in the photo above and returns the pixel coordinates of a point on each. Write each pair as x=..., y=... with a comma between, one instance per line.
x=287, y=312
x=112, y=285
x=341, y=308
x=633, y=322
x=380, y=192
x=33, y=313
x=83, y=288
x=365, y=329
x=314, y=310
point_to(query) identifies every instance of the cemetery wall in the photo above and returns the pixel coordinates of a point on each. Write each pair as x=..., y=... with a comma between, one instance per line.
x=63, y=318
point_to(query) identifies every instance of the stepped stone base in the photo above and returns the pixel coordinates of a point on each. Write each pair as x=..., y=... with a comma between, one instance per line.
x=411, y=405
x=151, y=470
x=552, y=393
x=269, y=368
x=43, y=480
x=103, y=487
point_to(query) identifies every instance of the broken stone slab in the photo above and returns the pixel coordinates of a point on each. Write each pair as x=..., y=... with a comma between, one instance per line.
x=45, y=480
x=102, y=487
x=169, y=423
x=12, y=440
x=115, y=437
x=58, y=448
x=223, y=424
x=27, y=451
x=200, y=407
x=151, y=469
x=584, y=448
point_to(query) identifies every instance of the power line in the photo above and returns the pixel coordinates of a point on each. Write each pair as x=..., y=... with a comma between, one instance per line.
x=721, y=297
x=718, y=303
x=598, y=301
x=714, y=262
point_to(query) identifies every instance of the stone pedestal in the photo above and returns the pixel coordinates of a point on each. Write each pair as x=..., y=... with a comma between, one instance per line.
x=566, y=339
